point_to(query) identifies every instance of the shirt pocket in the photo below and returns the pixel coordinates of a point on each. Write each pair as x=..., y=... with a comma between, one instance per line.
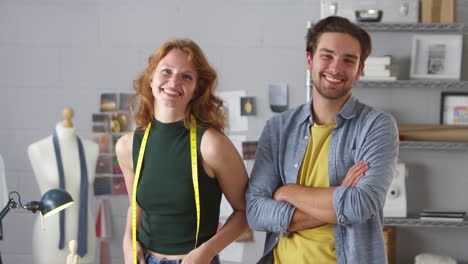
x=350, y=158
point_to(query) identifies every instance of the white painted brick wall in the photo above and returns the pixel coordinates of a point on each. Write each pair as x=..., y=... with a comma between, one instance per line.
x=56, y=54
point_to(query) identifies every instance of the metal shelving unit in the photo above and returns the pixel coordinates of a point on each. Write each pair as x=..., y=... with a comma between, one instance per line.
x=432, y=145
x=414, y=27
x=444, y=84
x=421, y=223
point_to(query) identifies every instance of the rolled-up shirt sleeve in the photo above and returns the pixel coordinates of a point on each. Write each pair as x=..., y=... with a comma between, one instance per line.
x=379, y=147
x=263, y=212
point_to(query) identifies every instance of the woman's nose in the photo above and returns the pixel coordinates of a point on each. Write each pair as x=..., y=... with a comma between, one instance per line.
x=175, y=79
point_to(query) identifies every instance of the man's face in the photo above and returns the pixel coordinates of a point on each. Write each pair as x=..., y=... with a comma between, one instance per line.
x=335, y=65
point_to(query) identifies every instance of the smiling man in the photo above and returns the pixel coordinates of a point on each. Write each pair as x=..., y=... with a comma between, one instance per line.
x=323, y=169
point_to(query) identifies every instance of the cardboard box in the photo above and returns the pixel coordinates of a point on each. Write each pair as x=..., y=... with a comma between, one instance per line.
x=429, y=132
x=438, y=11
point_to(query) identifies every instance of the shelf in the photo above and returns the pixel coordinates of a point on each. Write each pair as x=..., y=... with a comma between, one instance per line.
x=432, y=145
x=414, y=27
x=421, y=223
x=444, y=84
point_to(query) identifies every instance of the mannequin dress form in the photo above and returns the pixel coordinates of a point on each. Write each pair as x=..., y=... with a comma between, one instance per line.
x=73, y=257
x=43, y=160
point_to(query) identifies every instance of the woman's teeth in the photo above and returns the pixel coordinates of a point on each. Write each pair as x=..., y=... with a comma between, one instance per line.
x=172, y=92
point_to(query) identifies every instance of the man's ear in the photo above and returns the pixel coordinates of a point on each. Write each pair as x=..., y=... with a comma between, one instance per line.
x=309, y=60
x=360, y=70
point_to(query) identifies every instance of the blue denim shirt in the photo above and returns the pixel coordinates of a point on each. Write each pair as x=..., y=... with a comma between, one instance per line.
x=361, y=133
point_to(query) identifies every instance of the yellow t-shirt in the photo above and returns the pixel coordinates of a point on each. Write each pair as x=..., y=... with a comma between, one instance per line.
x=316, y=245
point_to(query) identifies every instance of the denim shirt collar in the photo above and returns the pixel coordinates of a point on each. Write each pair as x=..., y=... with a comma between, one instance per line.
x=347, y=112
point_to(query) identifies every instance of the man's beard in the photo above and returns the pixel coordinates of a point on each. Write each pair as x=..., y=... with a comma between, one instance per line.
x=321, y=90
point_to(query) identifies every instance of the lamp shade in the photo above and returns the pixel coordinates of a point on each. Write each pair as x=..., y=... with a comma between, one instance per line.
x=54, y=201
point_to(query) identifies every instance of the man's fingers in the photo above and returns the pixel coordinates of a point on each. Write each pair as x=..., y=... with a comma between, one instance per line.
x=356, y=180
x=355, y=173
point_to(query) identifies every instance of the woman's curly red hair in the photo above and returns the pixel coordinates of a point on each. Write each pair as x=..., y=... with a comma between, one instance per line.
x=205, y=106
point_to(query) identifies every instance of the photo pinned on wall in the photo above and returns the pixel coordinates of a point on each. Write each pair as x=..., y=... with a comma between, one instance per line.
x=248, y=149
x=101, y=123
x=104, y=142
x=115, y=138
x=124, y=101
x=108, y=102
x=118, y=186
x=120, y=122
x=454, y=108
x=104, y=164
x=115, y=166
x=102, y=185
x=436, y=56
x=248, y=106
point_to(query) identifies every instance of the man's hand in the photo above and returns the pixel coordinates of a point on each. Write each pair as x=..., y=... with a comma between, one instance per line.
x=355, y=173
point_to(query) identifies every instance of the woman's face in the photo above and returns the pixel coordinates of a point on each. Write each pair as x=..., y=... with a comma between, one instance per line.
x=174, y=81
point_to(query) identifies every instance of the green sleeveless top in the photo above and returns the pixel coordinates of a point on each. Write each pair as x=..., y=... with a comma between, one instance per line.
x=165, y=191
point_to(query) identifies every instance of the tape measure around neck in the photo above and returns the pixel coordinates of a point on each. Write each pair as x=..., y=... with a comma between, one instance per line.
x=194, y=163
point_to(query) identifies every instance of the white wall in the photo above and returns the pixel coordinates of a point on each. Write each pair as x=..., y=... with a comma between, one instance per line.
x=56, y=54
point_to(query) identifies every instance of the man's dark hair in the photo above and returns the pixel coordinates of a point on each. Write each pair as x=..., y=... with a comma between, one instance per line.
x=340, y=25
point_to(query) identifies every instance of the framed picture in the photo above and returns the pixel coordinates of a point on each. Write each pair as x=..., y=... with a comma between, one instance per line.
x=248, y=106
x=436, y=57
x=454, y=108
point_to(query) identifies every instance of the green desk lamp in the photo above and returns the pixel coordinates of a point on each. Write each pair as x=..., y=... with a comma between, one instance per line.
x=51, y=202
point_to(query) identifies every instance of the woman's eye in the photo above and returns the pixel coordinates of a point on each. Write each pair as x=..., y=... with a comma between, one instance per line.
x=166, y=71
x=187, y=77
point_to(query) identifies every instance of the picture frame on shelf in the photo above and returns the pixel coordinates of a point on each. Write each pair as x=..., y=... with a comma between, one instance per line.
x=436, y=56
x=454, y=108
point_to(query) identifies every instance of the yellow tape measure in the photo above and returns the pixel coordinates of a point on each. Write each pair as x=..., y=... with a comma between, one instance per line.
x=193, y=157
